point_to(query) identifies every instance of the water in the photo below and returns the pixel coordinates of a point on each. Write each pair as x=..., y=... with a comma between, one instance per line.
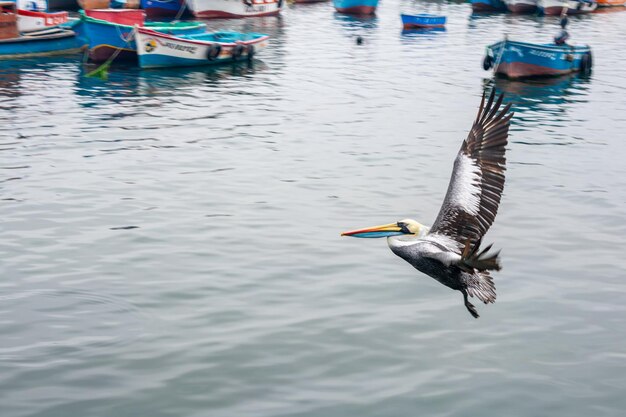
x=170, y=239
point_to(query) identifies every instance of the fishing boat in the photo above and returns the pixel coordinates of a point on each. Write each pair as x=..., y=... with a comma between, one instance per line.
x=522, y=6
x=556, y=7
x=234, y=8
x=40, y=43
x=160, y=50
x=422, y=21
x=110, y=31
x=163, y=8
x=524, y=60
x=611, y=3
x=358, y=7
x=489, y=6
x=32, y=15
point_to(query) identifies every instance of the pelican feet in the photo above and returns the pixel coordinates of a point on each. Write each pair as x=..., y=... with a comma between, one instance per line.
x=470, y=307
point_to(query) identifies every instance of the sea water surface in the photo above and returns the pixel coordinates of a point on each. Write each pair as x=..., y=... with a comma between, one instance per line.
x=170, y=238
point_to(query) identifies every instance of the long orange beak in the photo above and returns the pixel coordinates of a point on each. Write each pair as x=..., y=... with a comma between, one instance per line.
x=385, y=230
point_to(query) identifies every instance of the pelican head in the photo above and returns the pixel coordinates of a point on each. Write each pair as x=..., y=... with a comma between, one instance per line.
x=402, y=227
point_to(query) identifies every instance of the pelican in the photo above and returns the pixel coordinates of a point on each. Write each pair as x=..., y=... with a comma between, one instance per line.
x=449, y=251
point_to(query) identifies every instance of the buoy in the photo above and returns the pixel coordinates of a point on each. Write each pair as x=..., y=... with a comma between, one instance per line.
x=359, y=40
x=586, y=62
x=250, y=52
x=213, y=52
x=237, y=51
x=487, y=62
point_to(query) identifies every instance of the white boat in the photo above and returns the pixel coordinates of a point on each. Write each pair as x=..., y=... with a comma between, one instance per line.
x=555, y=7
x=521, y=6
x=32, y=16
x=161, y=50
x=234, y=8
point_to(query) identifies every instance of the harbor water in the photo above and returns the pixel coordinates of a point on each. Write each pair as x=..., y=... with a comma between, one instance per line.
x=170, y=238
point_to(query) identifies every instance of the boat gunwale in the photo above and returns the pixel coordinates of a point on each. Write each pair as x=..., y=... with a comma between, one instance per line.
x=64, y=33
x=551, y=48
x=145, y=31
x=170, y=26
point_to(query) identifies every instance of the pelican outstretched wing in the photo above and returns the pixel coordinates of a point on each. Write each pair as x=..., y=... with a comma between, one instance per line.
x=474, y=192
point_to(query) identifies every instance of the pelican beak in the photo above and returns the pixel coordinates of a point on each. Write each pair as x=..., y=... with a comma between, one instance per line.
x=391, y=229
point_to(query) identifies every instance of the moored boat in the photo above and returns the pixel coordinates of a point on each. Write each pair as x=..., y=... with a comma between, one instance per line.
x=524, y=60
x=556, y=7
x=521, y=6
x=160, y=50
x=358, y=7
x=422, y=21
x=40, y=43
x=487, y=6
x=234, y=8
x=163, y=8
x=111, y=31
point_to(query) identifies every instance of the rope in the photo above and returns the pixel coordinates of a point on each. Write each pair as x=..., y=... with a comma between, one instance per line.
x=495, y=66
x=180, y=11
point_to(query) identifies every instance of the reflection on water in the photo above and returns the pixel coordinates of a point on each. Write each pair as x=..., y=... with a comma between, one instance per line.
x=546, y=95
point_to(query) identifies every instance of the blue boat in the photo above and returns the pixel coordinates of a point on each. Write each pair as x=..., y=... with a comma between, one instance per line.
x=44, y=43
x=163, y=8
x=359, y=7
x=115, y=35
x=422, y=21
x=482, y=6
x=524, y=60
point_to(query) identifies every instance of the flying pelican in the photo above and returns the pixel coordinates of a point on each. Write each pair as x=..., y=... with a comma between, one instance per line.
x=449, y=251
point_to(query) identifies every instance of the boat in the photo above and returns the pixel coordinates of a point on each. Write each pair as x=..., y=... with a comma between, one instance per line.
x=163, y=8
x=358, y=7
x=32, y=15
x=308, y=1
x=555, y=7
x=110, y=31
x=422, y=21
x=611, y=3
x=160, y=50
x=40, y=43
x=522, y=6
x=524, y=60
x=488, y=6
x=234, y=8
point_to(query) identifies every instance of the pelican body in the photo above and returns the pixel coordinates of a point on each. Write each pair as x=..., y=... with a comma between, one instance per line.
x=449, y=251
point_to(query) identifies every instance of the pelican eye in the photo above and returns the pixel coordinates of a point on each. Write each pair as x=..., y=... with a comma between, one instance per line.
x=404, y=227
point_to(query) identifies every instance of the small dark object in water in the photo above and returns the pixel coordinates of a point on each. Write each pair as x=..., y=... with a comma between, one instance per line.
x=359, y=40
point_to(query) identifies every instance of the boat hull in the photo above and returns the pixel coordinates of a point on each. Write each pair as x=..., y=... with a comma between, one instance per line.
x=523, y=60
x=158, y=50
x=211, y=9
x=107, y=38
x=356, y=7
x=422, y=21
x=488, y=6
x=521, y=6
x=555, y=7
x=59, y=42
x=162, y=8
